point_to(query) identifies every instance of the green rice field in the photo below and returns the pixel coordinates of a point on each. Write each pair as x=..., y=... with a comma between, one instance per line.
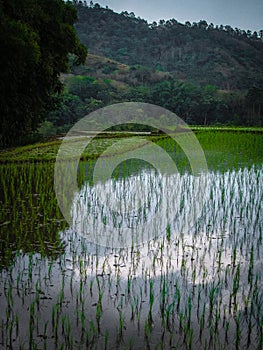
x=196, y=280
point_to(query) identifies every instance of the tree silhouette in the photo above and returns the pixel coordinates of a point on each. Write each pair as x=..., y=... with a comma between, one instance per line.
x=36, y=38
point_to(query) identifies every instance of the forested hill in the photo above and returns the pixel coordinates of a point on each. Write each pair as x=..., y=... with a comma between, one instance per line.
x=227, y=57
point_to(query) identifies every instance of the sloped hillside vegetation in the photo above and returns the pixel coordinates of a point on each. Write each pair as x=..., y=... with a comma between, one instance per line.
x=205, y=53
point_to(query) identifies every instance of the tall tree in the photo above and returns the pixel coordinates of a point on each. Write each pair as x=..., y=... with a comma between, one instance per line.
x=36, y=37
x=254, y=101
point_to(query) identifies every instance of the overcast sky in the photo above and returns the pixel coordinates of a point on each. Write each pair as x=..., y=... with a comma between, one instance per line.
x=244, y=14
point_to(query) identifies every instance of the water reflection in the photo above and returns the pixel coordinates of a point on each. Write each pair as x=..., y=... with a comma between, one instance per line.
x=203, y=277
x=226, y=207
x=127, y=210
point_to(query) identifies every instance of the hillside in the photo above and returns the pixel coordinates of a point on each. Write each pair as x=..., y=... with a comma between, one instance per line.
x=103, y=81
x=205, y=54
x=101, y=67
x=214, y=78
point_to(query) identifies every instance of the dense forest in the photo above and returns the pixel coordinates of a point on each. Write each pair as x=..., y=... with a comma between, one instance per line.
x=229, y=58
x=208, y=75
x=205, y=73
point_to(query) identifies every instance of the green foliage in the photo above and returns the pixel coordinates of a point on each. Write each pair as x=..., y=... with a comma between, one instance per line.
x=207, y=54
x=196, y=105
x=47, y=128
x=36, y=38
x=254, y=101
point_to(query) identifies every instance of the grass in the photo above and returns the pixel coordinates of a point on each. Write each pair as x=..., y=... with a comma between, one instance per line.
x=220, y=141
x=47, y=151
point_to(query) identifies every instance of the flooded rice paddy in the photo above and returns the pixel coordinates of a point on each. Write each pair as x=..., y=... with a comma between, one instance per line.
x=193, y=280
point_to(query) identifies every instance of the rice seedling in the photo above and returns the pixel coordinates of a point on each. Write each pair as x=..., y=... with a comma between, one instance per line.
x=193, y=284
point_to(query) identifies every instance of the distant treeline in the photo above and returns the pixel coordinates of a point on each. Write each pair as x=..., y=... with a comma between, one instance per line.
x=203, y=24
x=196, y=105
x=229, y=58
